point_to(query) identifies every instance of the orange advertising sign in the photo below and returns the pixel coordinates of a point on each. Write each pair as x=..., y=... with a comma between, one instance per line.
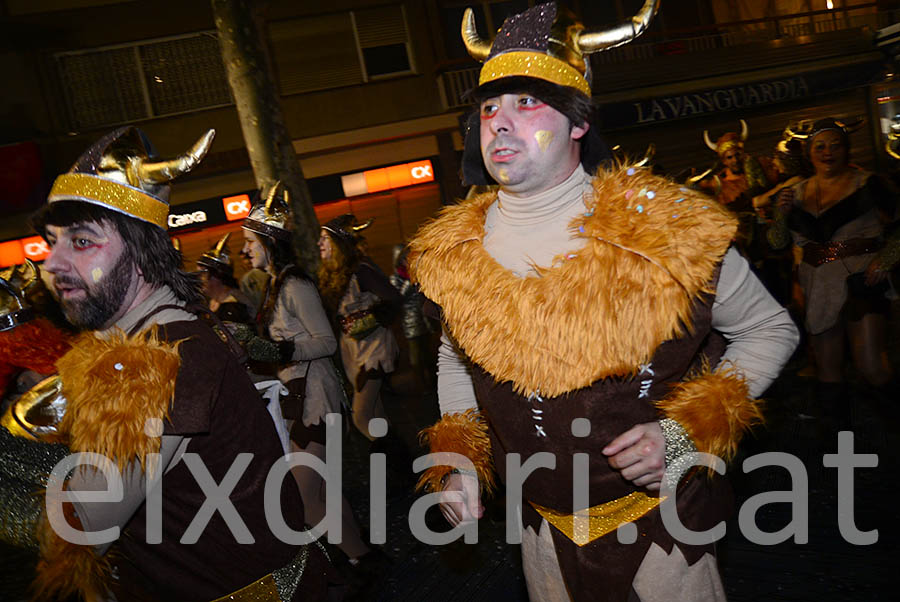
x=35, y=248
x=387, y=178
x=236, y=207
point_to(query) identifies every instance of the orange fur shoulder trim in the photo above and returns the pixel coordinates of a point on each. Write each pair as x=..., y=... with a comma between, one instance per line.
x=66, y=569
x=113, y=385
x=650, y=252
x=466, y=434
x=35, y=345
x=715, y=409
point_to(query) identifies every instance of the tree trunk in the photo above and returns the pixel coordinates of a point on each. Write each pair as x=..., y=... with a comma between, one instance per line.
x=268, y=141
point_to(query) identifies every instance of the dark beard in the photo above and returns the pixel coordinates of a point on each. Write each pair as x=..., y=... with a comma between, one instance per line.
x=101, y=303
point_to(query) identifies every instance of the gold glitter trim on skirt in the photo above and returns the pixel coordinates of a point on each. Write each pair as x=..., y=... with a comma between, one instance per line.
x=602, y=518
x=262, y=590
x=533, y=64
x=100, y=191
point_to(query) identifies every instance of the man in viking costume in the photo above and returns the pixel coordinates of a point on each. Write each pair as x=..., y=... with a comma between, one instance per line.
x=579, y=307
x=736, y=178
x=149, y=386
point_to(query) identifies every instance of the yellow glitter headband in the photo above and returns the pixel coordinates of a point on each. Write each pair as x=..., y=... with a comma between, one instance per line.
x=116, y=196
x=525, y=63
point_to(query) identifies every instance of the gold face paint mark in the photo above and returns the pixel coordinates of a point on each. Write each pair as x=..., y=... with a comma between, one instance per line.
x=544, y=138
x=96, y=274
x=503, y=175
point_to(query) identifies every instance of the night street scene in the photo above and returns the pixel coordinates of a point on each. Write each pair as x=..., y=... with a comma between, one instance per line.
x=486, y=300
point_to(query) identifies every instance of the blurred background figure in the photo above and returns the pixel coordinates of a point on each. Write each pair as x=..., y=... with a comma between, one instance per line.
x=843, y=220
x=292, y=317
x=226, y=300
x=363, y=304
x=734, y=180
x=776, y=266
x=30, y=342
x=417, y=330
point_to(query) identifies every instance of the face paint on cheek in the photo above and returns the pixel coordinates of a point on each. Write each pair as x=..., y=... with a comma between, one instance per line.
x=96, y=274
x=544, y=138
x=503, y=175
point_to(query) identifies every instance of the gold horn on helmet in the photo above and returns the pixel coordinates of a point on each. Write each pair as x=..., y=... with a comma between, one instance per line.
x=699, y=177
x=160, y=172
x=598, y=41
x=851, y=125
x=799, y=131
x=709, y=142
x=745, y=131
x=271, y=198
x=651, y=150
x=222, y=242
x=889, y=145
x=363, y=226
x=478, y=47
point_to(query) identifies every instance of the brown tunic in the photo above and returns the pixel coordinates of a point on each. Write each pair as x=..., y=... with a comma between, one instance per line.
x=612, y=406
x=219, y=409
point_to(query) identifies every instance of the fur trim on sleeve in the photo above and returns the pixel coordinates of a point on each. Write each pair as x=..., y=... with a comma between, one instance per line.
x=113, y=385
x=67, y=569
x=466, y=434
x=715, y=409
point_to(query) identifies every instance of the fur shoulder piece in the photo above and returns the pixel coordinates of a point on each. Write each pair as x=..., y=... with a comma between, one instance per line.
x=113, y=386
x=651, y=251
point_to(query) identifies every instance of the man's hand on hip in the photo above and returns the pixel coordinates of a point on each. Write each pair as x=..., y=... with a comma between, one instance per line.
x=639, y=454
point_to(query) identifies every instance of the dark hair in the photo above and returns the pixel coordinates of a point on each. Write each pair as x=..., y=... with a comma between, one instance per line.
x=282, y=254
x=148, y=246
x=578, y=108
x=226, y=277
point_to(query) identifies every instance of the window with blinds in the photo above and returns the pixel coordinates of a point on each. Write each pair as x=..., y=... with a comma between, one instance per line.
x=149, y=79
x=340, y=49
x=155, y=78
x=383, y=40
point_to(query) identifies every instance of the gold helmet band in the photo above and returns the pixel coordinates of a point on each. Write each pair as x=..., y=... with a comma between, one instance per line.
x=548, y=43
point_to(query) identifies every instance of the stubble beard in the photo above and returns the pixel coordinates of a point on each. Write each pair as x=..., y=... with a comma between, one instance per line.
x=102, y=301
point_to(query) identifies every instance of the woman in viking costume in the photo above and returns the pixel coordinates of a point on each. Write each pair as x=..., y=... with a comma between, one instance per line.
x=844, y=220
x=363, y=302
x=292, y=316
x=579, y=305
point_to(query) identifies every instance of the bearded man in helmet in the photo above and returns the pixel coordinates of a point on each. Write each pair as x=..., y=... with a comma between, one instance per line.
x=158, y=403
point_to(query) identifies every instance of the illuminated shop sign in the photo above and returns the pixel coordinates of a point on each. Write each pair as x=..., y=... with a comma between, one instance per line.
x=35, y=248
x=387, y=178
x=13, y=252
x=236, y=207
x=177, y=220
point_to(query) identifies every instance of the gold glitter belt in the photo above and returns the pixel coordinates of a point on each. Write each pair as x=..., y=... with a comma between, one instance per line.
x=602, y=518
x=261, y=590
x=816, y=254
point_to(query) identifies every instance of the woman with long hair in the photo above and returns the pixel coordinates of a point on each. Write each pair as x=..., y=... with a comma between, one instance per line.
x=841, y=218
x=363, y=302
x=292, y=316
